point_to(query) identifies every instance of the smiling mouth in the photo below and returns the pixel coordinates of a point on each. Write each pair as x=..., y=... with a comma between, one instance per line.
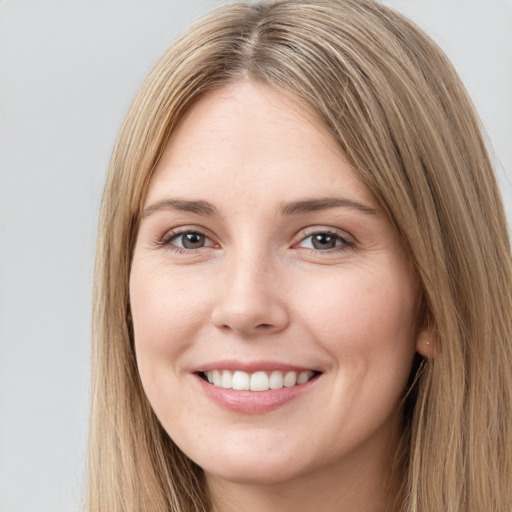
x=258, y=381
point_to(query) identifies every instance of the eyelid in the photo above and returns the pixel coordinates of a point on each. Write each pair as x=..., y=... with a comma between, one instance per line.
x=171, y=234
x=346, y=239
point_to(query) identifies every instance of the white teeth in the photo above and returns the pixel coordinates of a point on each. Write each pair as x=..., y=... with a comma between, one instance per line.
x=216, y=377
x=226, y=381
x=290, y=379
x=257, y=381
x=304, y=377
x=276, y=380
x=241, y=381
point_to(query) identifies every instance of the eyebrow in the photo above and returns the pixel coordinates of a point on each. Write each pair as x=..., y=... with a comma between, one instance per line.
x=324, y=203
x=207, y=209
x=199, y=207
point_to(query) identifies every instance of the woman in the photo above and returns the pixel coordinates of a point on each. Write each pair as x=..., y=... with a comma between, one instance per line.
x=303, y=276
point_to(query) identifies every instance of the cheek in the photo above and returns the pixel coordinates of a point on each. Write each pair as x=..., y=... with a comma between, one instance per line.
x=167, y=314
x=362, y=308
x=366, y=321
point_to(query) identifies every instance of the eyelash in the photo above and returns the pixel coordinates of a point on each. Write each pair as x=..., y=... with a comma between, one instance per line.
x=166, y=241
x=344, y=244
x=168, y=238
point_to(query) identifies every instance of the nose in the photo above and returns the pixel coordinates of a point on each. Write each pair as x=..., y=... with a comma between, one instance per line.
x=251, y=298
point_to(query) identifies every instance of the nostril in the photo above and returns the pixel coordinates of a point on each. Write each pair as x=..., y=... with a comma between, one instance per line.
x=246, y=317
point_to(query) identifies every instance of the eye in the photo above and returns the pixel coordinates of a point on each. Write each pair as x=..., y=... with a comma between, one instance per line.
x=324, y=241
x=187, y=240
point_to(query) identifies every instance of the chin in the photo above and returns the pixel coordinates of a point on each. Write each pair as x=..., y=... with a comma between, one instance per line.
x=253, y=474
x=258, y=467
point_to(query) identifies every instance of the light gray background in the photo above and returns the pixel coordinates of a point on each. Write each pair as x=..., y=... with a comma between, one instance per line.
x=68, y=69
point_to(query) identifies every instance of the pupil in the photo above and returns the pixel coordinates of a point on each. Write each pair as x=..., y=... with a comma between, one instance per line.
x=193, y=240
x=323, y=241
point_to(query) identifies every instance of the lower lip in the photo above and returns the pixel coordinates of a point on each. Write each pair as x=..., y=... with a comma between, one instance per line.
x=254, y=402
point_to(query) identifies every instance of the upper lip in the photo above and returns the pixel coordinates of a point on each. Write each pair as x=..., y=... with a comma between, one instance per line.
x=251, y=366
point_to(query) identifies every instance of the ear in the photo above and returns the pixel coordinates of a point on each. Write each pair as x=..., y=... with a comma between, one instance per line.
x=426, y=344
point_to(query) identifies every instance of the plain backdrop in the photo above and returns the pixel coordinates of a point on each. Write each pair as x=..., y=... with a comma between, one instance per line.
x=68, y=70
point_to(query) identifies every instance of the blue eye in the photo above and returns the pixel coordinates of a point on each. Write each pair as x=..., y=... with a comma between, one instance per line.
x=324, y=241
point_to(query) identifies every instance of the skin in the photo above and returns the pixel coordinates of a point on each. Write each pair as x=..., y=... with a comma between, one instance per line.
x=258, y=289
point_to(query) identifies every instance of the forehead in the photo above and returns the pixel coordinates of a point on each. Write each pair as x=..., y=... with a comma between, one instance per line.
x=247, y=135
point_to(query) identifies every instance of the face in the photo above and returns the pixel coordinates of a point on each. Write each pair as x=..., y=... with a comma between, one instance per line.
x=274, y=310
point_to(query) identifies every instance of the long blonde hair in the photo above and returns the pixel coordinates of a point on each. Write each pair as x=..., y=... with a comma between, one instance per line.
x=400, y=114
